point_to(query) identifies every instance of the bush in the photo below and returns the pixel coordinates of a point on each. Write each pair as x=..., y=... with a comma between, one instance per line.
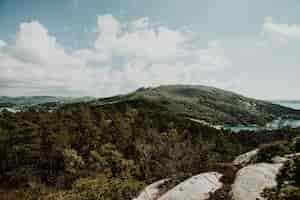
x=73, y=162
x=106, y=188
x=268, y=151
x=297, y=144
x=288, y=179
x=289, y=193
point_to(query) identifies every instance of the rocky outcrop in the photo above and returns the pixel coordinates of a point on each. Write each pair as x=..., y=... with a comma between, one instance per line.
x=250, y=181
x=195, y=188
x=151, y=192
x=246, y=158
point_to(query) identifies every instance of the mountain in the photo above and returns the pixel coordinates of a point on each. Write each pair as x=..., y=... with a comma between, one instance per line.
x=210, y=104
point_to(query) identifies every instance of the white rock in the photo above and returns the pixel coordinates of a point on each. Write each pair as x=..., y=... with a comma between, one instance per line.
x=195, y=188
x=279, y=159
x=285, y=158
x=151, y=192
x=245, y=158
x=203, y=122
x=291, y=156
x=250, y=181
x=12, y=110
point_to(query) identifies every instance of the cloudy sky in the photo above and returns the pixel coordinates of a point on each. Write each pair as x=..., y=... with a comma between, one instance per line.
x=106, y=47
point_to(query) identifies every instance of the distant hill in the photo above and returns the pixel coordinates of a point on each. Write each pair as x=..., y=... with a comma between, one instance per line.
x=295, y=104
x=35, y=100
x=211, y=104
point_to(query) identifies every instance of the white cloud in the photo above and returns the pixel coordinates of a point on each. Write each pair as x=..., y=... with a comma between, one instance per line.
x=128, y=55
x=281, y=32
x=151, y=43
x=33, y=41
x=264, y=66
x=2, y=44
x=140, y=23
x=108, y=26
x=124, y=56
x=37, y=61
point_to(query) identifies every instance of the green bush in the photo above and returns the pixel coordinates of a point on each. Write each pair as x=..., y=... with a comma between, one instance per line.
x=268, y=151
x=73, y=162
x=106, y=188
x=288, y=179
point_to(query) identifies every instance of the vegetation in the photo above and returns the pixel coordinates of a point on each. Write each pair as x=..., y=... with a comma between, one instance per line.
x=92, y=152
x=288, y=187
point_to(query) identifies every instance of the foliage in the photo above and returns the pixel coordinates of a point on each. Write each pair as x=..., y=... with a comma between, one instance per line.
x=288, y=187
x=270, y=150
x=86, y=151
x=73, y=162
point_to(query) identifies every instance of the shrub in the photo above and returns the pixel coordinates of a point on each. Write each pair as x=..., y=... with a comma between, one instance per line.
x=107, y=188
x=268, y=151
x=288, y=179
x=73, y=162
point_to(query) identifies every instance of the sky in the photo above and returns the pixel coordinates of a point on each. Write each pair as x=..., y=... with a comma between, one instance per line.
x=106, y=47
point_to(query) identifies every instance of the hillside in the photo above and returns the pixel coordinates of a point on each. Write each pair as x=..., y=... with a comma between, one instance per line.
x=110, y=152
x=213, y=105
x=110, y=149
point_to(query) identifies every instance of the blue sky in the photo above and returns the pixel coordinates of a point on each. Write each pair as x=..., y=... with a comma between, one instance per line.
x=106, y=47
x=213, y=19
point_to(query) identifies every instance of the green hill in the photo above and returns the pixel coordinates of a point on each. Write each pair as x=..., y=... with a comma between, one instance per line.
x=213, y=105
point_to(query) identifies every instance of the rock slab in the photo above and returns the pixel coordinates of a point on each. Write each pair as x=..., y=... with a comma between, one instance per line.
x=245, y=159
x=195, y=188
x=250, y=181
x=151, y=192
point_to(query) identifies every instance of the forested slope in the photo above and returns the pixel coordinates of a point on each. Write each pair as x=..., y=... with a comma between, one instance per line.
x=86, y=151
x=211, y=104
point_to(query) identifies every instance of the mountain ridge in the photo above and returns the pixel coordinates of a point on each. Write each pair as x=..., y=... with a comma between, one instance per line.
x=216, y=106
